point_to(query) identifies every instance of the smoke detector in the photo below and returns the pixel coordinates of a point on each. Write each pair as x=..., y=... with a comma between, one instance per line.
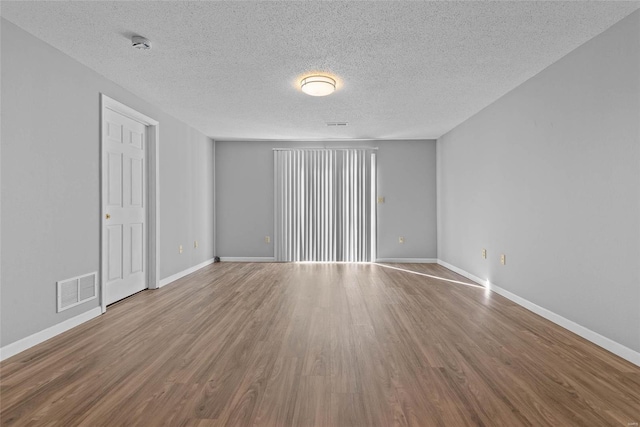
x=140, y=43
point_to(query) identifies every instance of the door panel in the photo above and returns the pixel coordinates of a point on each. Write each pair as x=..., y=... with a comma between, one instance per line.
x=114, y=179
x=124, y=184
x=136, y=139
x=114, y=132
x=137, y=247
x=114, y=252
x=137, y=181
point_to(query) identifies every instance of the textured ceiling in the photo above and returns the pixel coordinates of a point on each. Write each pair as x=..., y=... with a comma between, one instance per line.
x=405, y=69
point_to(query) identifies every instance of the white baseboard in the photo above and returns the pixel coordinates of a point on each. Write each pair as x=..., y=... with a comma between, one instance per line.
x=409, y=260
x=39, y=337
x=463, y=273
x=181, y=274
x=246, y=259
x=602, y=341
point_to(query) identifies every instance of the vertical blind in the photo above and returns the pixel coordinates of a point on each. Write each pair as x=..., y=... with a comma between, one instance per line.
x=324, y=205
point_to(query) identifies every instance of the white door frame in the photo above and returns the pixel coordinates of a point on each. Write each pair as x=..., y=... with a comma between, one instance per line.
x=153, y=193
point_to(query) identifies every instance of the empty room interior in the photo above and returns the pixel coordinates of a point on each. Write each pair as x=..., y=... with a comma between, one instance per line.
x=320, y=213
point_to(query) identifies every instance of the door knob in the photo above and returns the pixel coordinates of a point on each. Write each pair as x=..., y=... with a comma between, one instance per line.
x=107, y=216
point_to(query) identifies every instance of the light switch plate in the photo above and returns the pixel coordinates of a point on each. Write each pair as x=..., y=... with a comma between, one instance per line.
x=400, y=239
x=380, y=199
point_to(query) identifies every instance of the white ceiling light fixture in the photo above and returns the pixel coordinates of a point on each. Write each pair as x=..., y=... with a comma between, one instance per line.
x=140, y=43
x=318, y=85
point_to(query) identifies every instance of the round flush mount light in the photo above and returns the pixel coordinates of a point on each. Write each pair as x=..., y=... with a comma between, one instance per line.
x=140, y=43
x=318, y=85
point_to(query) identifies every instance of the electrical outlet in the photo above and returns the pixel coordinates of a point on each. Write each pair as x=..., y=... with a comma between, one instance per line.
x=503, y=259
x=180, y=249
x=400, y=239
x=380, y=199
x=484, y=253
x=267, y=239
x=195, y=243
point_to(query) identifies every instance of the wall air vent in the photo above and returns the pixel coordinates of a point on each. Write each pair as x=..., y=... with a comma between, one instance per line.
x=336, y=124
x=77, y=290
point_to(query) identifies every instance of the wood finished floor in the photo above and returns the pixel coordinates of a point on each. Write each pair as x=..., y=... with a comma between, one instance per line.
x=318, y=344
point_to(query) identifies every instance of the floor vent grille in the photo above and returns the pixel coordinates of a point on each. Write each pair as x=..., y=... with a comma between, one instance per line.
x=77, y=290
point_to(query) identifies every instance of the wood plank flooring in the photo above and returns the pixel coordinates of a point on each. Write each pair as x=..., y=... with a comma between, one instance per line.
x=318, y=345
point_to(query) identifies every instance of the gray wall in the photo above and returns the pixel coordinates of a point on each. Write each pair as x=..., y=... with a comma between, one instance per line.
x=550, y=176
x=50, y=218
x=244, y=196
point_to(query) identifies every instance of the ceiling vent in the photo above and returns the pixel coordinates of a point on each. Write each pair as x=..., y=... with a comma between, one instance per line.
x=336, y=124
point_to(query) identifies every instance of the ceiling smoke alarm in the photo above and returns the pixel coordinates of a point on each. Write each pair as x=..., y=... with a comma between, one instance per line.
x=140, y=43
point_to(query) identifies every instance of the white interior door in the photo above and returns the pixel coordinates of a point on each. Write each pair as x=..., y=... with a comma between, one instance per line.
x=124, y=245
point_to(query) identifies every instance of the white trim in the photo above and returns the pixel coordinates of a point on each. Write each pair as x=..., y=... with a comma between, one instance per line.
x=215, y=203
x=462, y=272
x=123, y=109
x=153, y=193
x=602, y=341
x=39, y=337
x=324, y=140
x=277, y=243
x=247, y=259
x=409, y=260
x=325, y=148
x=153, y=204
x=183, y=273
